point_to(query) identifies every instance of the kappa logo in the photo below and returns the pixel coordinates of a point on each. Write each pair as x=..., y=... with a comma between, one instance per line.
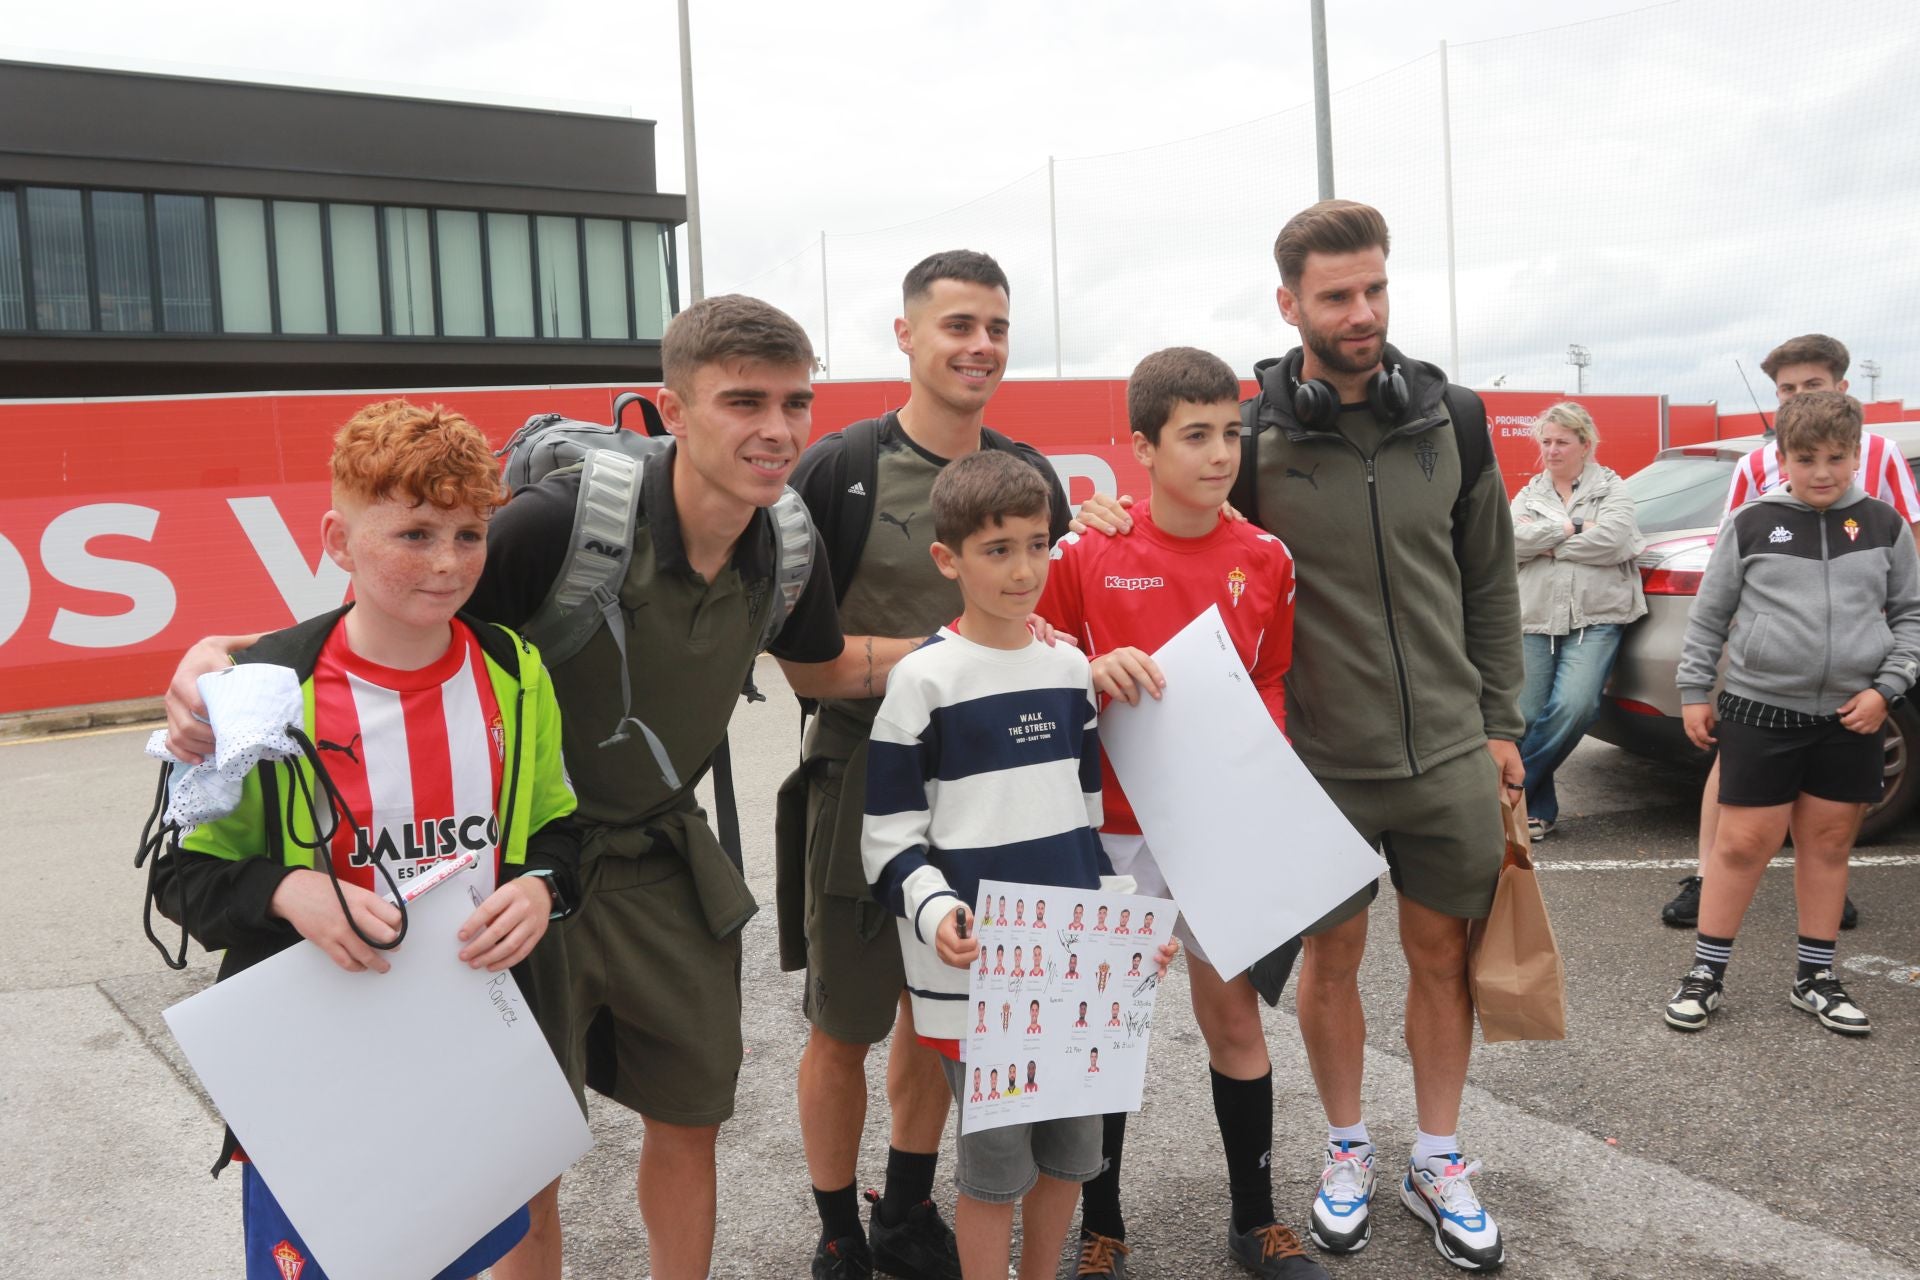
x=1294, y=473
x=1852, y=529
x=1115, y=582
x=1426, y=455
x=1236, y=585
x=857, y=489
x=1780, y=534
x=289, y=1260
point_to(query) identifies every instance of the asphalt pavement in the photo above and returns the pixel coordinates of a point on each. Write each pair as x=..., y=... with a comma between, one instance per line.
x=1762, y=1147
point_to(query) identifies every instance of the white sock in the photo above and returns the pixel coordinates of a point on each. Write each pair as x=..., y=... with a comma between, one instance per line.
x=1348, y=1133
x=1428, y=1145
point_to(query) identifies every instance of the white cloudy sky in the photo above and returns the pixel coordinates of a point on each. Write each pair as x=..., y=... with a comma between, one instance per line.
x=1674, y=186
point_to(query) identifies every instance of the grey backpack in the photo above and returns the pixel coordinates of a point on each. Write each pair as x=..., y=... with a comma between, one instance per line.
x=586, y=594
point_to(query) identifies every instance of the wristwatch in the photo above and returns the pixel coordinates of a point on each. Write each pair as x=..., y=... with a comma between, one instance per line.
x=560, y=904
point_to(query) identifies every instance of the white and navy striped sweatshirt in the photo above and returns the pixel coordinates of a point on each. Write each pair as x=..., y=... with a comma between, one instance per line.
x=984, y=765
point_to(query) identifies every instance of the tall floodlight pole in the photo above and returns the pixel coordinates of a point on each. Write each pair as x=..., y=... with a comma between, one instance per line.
x=1446, y=154
x=826, y=316
x=696, y=270
x=1322, y=101
x=1053, y=249
x=1872, y=369
x=1579, y=357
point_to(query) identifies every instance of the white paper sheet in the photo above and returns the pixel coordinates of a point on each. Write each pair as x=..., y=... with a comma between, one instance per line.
x=1078, y=1023
x=1252, y=848
x=398, y=1117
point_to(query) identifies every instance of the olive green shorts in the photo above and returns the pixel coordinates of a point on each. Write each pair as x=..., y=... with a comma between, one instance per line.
x=1439, y=831
x=639, y=999
x=854, y=972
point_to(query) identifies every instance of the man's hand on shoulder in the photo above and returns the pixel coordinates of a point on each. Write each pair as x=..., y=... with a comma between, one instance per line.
x=1103, y=513
x=305, y=900
x=189, y=736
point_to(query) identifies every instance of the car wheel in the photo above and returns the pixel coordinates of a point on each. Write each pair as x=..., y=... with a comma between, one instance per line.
x=1901, y=737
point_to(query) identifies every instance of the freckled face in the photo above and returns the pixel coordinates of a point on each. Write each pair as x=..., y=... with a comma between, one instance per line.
x=412, y=564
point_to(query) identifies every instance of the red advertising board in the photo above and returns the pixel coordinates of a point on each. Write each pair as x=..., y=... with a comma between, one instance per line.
x=130, y=528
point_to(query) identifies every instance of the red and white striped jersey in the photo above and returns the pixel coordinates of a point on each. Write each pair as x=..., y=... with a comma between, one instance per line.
x=1883, y=473
x=417, y=756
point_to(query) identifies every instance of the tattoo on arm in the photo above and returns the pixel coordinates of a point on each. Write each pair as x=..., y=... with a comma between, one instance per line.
x=869, y=666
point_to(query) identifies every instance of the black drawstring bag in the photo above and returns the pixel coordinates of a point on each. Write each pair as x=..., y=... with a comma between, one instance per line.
x=158, y=834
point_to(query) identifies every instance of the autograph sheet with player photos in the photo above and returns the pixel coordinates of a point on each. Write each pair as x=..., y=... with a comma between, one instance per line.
x=1061, y=1005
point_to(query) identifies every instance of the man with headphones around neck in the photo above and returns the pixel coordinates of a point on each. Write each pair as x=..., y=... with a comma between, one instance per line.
x=1403, y=699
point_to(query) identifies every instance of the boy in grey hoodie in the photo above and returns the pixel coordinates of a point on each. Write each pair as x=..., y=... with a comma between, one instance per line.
x=1818, y=591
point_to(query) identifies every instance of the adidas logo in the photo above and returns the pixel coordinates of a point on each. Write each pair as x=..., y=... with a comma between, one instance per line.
x=857, y=489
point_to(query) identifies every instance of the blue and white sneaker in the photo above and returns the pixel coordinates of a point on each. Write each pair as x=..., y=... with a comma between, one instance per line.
x=1340, y=1222
x=1437, y=1192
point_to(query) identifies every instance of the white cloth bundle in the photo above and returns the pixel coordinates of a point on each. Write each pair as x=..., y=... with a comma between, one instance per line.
x=250, y=708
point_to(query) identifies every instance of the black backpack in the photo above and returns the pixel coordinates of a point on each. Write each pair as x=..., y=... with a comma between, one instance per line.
x=585, y=595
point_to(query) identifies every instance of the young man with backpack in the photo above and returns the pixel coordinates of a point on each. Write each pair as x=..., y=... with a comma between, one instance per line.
x=1403, y=700
x=867, y=488
x=647, y=975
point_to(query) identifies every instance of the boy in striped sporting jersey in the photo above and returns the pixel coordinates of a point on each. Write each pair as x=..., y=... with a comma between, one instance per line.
x=1122, y=598
x=1811, y=362
x=441, y=735
x=985, y=764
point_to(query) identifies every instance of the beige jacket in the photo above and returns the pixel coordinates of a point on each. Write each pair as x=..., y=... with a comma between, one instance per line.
x=1571, y=582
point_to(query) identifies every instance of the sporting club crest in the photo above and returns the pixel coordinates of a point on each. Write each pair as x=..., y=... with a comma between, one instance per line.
x=1237, y=585
x=289, y=1260
x=1852, y=528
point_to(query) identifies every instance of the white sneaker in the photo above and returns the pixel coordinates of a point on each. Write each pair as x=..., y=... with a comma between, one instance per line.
x=1437, y=1192
x=1341, y=1221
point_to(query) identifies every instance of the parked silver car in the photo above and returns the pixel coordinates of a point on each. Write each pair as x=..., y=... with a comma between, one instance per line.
x=1679, y=498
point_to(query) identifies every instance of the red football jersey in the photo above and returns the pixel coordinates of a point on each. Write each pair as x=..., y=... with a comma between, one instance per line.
x=1140, y=589
x=417, y=755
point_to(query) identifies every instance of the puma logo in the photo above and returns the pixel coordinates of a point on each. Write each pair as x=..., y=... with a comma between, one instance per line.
x=905, y=532
x=1294, y=473
x=346, y=751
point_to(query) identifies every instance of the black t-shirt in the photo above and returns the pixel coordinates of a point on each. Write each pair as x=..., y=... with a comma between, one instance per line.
x=527, y=545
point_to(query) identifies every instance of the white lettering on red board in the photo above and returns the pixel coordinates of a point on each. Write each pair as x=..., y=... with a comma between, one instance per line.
x=63, y=552
x=67, y=559
x=1088, y=466
x=306, y=592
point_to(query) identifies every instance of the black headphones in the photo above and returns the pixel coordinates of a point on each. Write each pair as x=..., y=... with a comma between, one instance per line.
x=1316, y=403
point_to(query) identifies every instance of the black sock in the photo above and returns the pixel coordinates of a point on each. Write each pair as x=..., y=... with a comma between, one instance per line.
x=1244, y=1109
x=839, y=1213
x=1815, y=954
x=1713, y=953
x=1100, y=1198
x=909, y=1181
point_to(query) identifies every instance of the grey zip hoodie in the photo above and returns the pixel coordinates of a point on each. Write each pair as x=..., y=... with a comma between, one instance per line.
x=1812, y=606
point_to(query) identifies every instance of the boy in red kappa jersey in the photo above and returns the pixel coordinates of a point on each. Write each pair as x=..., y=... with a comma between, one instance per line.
x=441, y=735
x=1122, y=598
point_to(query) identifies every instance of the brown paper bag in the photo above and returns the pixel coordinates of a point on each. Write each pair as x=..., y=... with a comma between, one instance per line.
x=1518, y=982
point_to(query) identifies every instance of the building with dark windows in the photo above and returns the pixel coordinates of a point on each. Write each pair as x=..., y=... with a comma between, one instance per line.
x=162, y=234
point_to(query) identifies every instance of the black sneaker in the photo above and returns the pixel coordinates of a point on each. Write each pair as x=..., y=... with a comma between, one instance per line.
x=1824, y=998
x=1101, y=1257
x=1695, y=1001
x=843, y=1259
x=1684, y=911
x=919, y=1247
x=1849, y=914
x=1273, y=1252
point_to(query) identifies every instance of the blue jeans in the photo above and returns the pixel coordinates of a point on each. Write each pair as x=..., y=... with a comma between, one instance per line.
x=1559, y=701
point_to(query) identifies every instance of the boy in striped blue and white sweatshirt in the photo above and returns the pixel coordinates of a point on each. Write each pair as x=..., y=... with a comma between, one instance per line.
x=985, y=764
